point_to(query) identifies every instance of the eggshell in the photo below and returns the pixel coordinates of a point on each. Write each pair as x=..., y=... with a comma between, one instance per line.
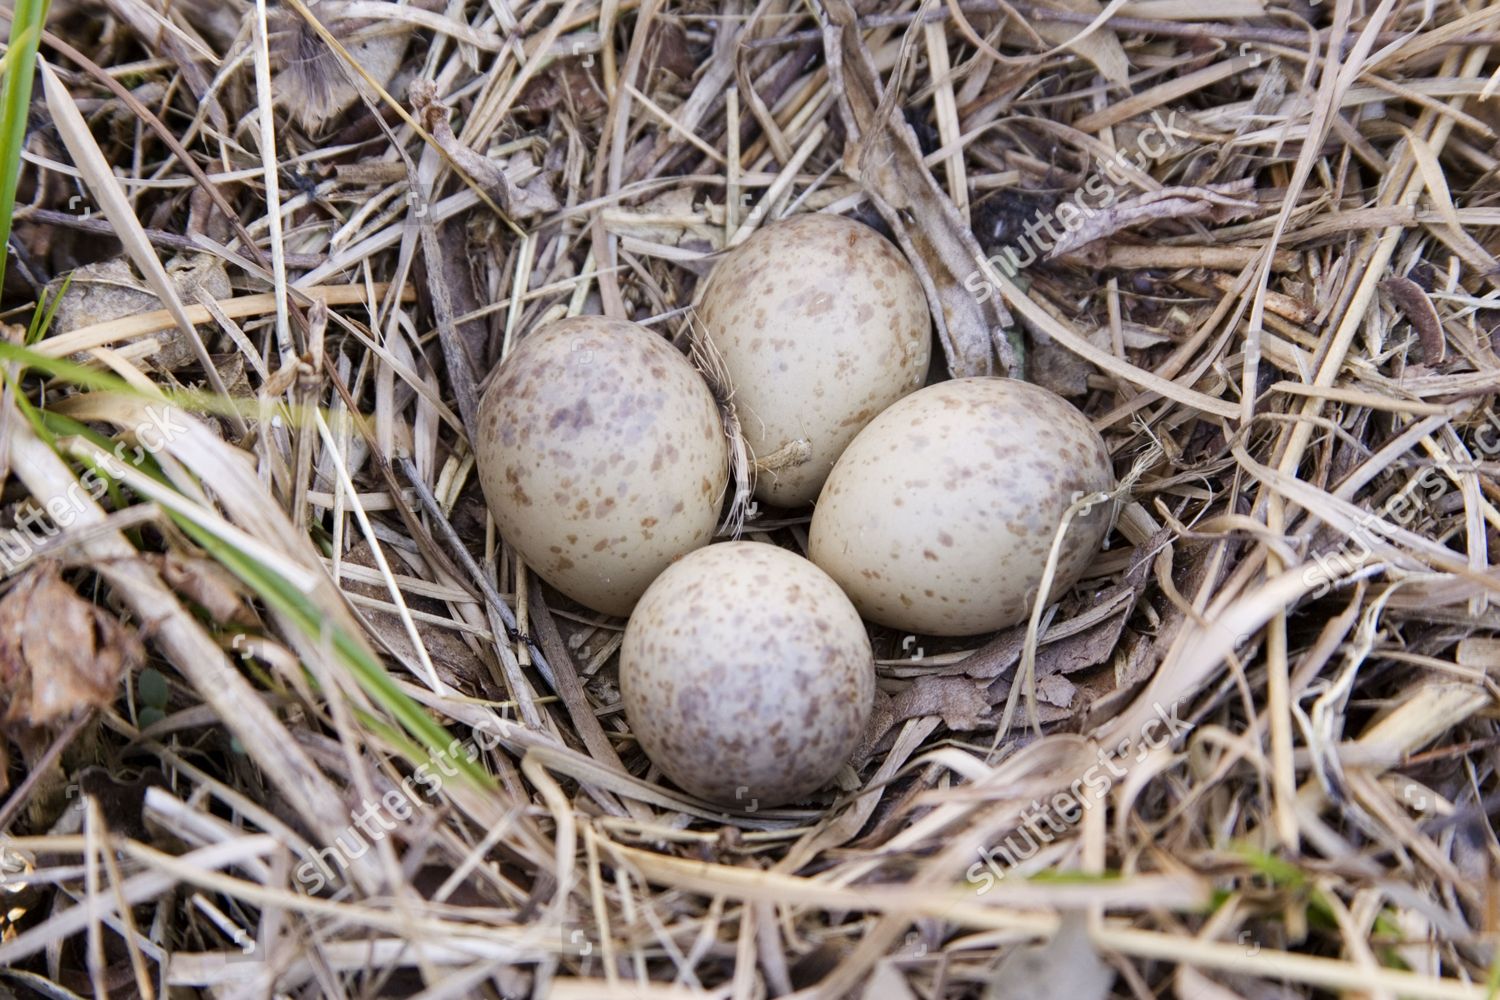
x=821, y=324
x=747, y=675
x=602, y=456
x=939, y=517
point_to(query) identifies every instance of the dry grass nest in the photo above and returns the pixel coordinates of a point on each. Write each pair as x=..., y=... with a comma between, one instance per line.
x=252, y=592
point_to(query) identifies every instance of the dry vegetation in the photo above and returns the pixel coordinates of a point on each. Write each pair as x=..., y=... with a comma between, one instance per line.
x=287, y=598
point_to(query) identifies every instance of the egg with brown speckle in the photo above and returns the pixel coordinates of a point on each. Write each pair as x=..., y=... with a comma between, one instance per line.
x=940, y=515
x=602, y=456
x=820, y=323
x=747, y=675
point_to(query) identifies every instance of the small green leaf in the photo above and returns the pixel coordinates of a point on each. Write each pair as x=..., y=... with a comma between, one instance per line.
x=153, y=688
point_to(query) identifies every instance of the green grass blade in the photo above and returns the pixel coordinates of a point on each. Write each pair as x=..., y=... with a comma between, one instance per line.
x=367, y=671
x=41, y=317
x=15, y=97
x=426, y=734
x=192, y=400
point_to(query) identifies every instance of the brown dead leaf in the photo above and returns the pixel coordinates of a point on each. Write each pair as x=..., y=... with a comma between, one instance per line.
x=882, y=153
x=566, y=85
x=888, y=982
x=232, y=373
x=110, y=290
x=1100, y=46
x=669, y=52
x=960, y=702
x=1071, y=647
x=1088, y=648
x=1055, y=690
x=207, y=584
x=1140, y=654
x=1066, y=647
x=311, y=80
x=1420, y=312
x=1066, y=966
x=1216, y=201
x=520, y=202
x=1104, y=695
x=59, y=653
x=1053, y=366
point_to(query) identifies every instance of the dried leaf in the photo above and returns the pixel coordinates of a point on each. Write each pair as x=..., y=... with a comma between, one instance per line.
x=565, y=85
x=882, y=153
x=59, y=654
x=669, y=51
x=207, y=584
x=1420, y=312
x=1052, y=366
x=1100, y=46
x=888, y=983
x=311, y=82
x=110, y=290
x=960, y=701
x=534, y=199
x=1066, y=647
x=1055, y=690
x=1066, y=966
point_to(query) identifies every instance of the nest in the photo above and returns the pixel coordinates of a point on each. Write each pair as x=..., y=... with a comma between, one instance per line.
x=283, y=714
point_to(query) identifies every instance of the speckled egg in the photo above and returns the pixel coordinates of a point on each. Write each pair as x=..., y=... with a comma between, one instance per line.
x=939, y=517
x=747, y=675
x=821, y=324
x=602, y=456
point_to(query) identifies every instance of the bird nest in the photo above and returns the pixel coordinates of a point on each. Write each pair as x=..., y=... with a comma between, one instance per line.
x=283, y=713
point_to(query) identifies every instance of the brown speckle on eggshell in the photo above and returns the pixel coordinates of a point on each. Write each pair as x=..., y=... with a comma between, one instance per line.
x=939, y=517
x=746, y=675
x=602, y=457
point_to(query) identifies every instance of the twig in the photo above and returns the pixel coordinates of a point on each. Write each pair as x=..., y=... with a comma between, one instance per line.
x=158, y=237
x=457, y=547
